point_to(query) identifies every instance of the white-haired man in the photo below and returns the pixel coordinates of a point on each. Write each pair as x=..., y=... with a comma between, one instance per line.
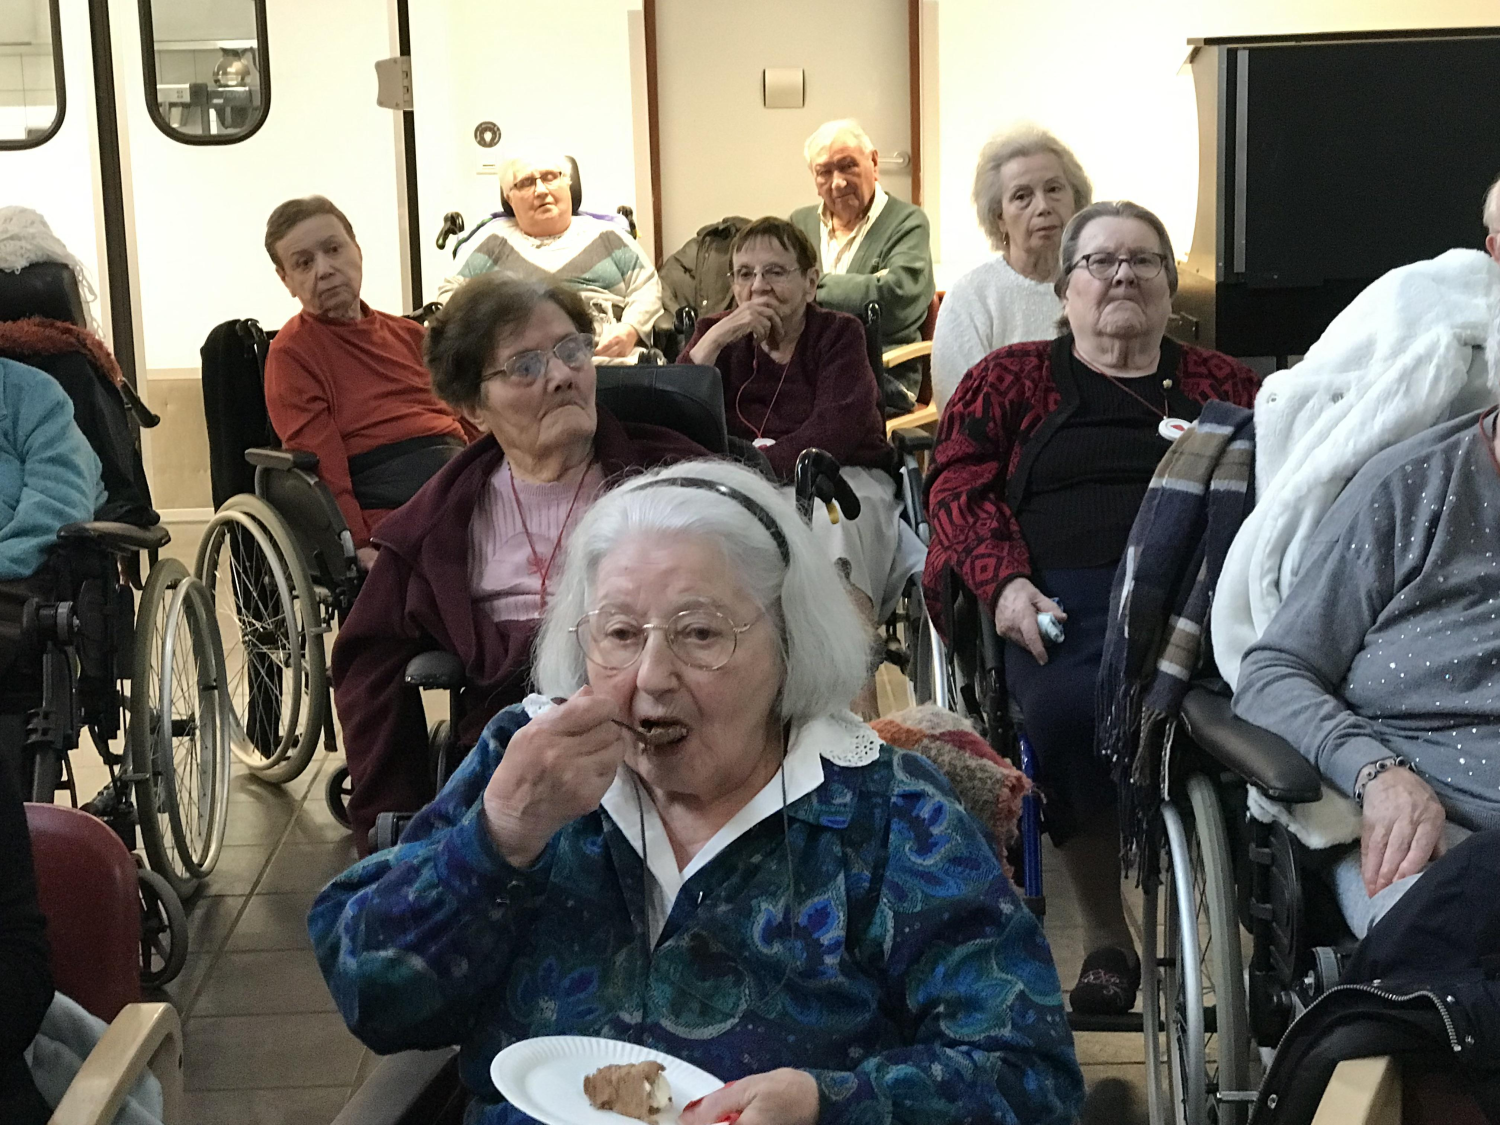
x=873, y=246
x=541, y=238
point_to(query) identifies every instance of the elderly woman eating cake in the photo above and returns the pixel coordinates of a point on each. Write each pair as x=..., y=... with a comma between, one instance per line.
x=702, y=852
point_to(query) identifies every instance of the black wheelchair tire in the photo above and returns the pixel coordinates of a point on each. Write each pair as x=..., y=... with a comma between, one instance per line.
x=150, y=796
x=164, y=930
x=337, y=791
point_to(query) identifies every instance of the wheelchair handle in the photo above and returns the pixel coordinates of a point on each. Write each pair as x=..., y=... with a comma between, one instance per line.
x=817, y=474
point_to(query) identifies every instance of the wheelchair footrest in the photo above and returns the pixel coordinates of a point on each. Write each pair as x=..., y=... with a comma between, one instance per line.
x=1129, y=1021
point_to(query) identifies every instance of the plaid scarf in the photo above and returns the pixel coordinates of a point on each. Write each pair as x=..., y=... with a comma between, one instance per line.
x=1158, y=611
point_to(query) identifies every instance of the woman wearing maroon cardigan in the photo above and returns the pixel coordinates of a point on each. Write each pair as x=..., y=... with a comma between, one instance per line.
x=467, y=564
x=1043, y=457
x=796, y=377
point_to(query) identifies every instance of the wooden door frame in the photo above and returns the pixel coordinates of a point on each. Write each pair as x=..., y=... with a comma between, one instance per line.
x=653, y=114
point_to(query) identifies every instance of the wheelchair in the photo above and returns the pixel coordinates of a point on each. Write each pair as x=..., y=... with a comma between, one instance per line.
x=149, y=673
x=1208, y=1013
x=278, y=562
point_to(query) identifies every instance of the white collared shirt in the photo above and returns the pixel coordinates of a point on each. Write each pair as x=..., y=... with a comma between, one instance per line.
x=840, y=738
x=838, y=254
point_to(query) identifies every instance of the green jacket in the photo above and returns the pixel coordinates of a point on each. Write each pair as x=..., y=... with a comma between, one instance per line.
x=893, y=266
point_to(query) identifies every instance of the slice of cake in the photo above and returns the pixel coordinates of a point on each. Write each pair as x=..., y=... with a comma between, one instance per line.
x=638, y=1090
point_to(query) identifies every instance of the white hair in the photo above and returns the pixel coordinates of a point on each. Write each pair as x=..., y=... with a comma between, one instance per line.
x=25, y=239
x=1491, y=211
x=826, y=134
x=521, y=162
x=824, y=643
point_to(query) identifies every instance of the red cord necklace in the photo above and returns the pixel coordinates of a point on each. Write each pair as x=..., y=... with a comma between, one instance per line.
x=755, y=350
x=536, y=557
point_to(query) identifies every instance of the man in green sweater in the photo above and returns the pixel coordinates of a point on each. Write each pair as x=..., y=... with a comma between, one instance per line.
x=873, y=246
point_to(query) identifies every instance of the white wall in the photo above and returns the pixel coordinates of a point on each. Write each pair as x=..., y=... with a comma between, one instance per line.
x=723, y=152
x=199, y=20
x=554, y=74
x=1134, y=128
x=57, y=178
x=200, y=211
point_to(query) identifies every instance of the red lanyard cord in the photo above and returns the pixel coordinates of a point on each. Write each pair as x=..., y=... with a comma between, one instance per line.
x=536, y=557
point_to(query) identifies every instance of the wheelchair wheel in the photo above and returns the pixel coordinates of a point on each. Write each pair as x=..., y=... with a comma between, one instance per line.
x=164, y=932
x=1201, y=986
x=193, y=729
x=177, y=731
x=270, y=617
x=336, y=792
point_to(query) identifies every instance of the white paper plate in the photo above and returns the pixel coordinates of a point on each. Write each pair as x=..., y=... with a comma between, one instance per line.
x=544, y=1077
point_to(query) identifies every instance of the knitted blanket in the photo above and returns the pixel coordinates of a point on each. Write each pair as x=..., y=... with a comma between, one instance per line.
x=39, y=336
x=989, y=787
x=1199, y=495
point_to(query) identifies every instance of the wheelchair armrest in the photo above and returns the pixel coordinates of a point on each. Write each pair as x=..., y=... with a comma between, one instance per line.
x=120, y=538
x=436, y=669
x=401, y=1083
x=1265, y=760
x=909, y=440
x=282, y=459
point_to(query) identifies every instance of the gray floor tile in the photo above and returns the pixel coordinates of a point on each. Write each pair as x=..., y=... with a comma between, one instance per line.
x=255, y=1052
x=274, y=921
x=238, y=868
x=257, y=822
x=210, y=918
x=181, y=991
x=307, y=867
x=311, y=1106
x=1135, y=1078
x=266, y=982
x=1114, y=1047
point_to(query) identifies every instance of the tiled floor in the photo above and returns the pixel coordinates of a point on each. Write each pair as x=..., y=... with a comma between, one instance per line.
x=264, y=1045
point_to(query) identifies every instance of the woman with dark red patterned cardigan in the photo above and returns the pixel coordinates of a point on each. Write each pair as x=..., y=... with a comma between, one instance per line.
x=1043, y=457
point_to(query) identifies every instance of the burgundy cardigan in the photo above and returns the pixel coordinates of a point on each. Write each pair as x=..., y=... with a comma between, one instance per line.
x=1003, y=412
x=829, y=398
x=416, y=599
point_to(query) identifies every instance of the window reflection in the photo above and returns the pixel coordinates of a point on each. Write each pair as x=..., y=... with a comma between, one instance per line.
x=209, y=78
x=30, y=99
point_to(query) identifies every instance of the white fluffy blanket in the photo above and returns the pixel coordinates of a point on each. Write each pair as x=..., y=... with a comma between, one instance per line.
x=1419, y=346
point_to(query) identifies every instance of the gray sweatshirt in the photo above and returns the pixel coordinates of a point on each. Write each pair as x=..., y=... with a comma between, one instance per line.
x=1389, y=642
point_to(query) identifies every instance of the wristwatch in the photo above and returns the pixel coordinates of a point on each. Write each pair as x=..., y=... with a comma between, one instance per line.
x=1374, y=770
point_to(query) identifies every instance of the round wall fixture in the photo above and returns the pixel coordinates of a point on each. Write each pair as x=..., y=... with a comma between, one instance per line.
x=486, y=134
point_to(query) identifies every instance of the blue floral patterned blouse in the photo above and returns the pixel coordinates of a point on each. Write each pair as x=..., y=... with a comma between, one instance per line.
x=906, y=976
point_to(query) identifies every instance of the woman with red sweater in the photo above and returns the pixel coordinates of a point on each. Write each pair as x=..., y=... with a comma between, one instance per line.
x=1043, y=457
x=797, y=376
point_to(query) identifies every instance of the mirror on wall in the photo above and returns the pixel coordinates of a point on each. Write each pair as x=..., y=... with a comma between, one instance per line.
x=31, y=78
x=206, y=73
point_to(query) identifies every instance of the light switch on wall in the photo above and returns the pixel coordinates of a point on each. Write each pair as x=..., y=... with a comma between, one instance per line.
x=784, y=87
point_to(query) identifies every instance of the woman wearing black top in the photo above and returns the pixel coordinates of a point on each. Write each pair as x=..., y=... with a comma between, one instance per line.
x=1043, y=457
x=25, y=976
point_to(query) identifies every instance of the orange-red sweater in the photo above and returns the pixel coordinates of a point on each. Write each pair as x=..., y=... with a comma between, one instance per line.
x=339, y=388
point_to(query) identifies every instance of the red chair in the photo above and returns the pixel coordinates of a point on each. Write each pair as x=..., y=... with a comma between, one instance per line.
x=90, y=893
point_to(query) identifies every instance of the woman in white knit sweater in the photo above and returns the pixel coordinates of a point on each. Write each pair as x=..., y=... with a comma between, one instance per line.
x=1026, y=188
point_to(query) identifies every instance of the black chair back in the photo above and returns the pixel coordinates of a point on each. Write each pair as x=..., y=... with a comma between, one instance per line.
x=234, y=404
x=47, y=289
x=680, y=397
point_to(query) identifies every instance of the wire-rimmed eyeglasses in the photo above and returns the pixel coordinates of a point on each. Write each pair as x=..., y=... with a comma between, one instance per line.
x=1103, y=265
x=549, y=179
x=701, y=638
x=575, y=351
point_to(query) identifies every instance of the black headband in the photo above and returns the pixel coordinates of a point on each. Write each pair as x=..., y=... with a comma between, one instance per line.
x=750, y=505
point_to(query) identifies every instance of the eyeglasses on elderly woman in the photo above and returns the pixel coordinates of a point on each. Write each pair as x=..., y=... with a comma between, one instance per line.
x=701, y=638
x=1103, y=265
x=551, y=177
x=773, y=275
x=576, y=351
